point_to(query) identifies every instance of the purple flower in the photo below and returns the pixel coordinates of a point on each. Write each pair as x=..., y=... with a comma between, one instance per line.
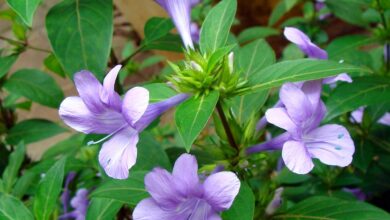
x=357, y=116
x=66, y=194
x=304, y=43
x=275, y=202
x=301, y=116
x=358, y=193
x=385, y=119
x=180, y=12
x=80, y=204
x=100, y=110
x=182, y=196
x=195, y=32
x=319, y=5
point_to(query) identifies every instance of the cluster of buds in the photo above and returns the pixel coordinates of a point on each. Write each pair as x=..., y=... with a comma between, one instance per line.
x=200, y=73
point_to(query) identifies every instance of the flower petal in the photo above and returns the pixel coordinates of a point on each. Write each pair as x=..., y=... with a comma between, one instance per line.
x=186, y=171
x=88, y=86
x=108, y=94
x=162, y=187
x=298, y=105
x=297, y=37
x=312, y=90
x=385, y=119
x=75, y=114
x=296, y=157
x=280, y=118
x=180, y=12
x=221, y=189
x=275, y=143
x=357, y=115
x=341, y=77
x=119, y=153
x=135, y=104
x=331, y=144
x=148, y=209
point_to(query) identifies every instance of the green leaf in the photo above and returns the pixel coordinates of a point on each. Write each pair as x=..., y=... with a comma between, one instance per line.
x=260, y=55
x=255, y=33
x=33, y=130
x=159, y=91
x=330, y=208
x=299, y=70
x=156, y=28
x=13, y=209
x=282, y=8
x=103, y=209
x=6, y=64
x=48, y=191
x=192, y=116
x=36, y=86
x=25, y=183
x=243, y=207
x=80, y=32
x=51, y=63
x=364, y=91
x=350, y=11
x=216, y=27
x=150, y=154
x=170, y=42
x=65, y=147
x=129, y=191
x=25, y=9
x=10, y=173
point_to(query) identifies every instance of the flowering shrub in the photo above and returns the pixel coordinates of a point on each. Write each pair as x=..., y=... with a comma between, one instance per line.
x=257, y=133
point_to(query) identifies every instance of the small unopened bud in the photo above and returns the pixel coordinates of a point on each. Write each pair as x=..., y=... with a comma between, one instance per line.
x=231, y=62
x=196, y=66
x=275, y=202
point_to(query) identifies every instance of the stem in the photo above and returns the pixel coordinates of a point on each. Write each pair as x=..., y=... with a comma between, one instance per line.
x=25, y=44
x=225, y=124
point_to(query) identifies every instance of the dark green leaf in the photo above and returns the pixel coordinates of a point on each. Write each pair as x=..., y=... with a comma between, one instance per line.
x=10, y=173
x=156, y=28
x=282, y=8
x=364, y=91
x=350, y=11
x=80, y=32
x=67, y=146
x=25, y=9
x=51, y=62
x=33, y=130
x=192, y=116
x=6, y=64
x=170, y=42
x=35, y=85
x=130, y=191
x=48, y=191
x=216, y=27
x=299, y=70
x=255, y=33
x=25, y=183
x=103, y=209
x=243, y=207
x=330, y=208
x=13, y=209
x=159, y=91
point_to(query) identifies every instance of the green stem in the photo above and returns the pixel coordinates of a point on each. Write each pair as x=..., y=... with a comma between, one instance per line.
x=25, y=44
x=226, y=126
x=123, y=62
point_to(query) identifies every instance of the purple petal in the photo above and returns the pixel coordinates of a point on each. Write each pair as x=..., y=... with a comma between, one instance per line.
x=108, y=94
x=273, y=144
x=162, y=187
x=88, y=86
x=298, y=105
x=275, y=202
x=221, y=189
x=316, y=118
x=148, y=209
x=331, y=144
x=312, y=90
x=135, y=104
x=119, y=153
x=296, y=157
x=385, y=119
x=180, y=12
x=200, y=210
x=357, y=115
x=154, y=110
x=341, y=77
x=304, y=43
x=195, y=32
x=80, y=203
x=263, y=121
x=65, y=196
x=186, y=171
x=280, y=118
x=75, y=114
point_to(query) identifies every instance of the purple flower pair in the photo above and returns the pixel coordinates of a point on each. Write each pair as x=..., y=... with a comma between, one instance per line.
x=304, y=139
x=357, y=116
x=182, y=196
x=100, y=110
x=180, y=12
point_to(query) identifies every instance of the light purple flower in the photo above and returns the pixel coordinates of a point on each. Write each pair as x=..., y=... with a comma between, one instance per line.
x=304, y=43
x=357, y=116
x=180, y=12
x=275, y=202
x=100, y=110
x=182, y=196
x=80, y=204
x=301, y=116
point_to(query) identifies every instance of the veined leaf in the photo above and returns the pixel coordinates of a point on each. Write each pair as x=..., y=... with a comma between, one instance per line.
x=255, y=33
x=156, y=28
x=12, y=208
x=363, y=91
x=159, y=91
x=192, y=116
x=10, y=173
x=6, y=64
x=129, y=191
x=299, y=70
x=80, y=32
x=103, y=209
x=216, y=27
x=243, y=207
x=25, y=9
x=48, y=191
x=281, y=8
